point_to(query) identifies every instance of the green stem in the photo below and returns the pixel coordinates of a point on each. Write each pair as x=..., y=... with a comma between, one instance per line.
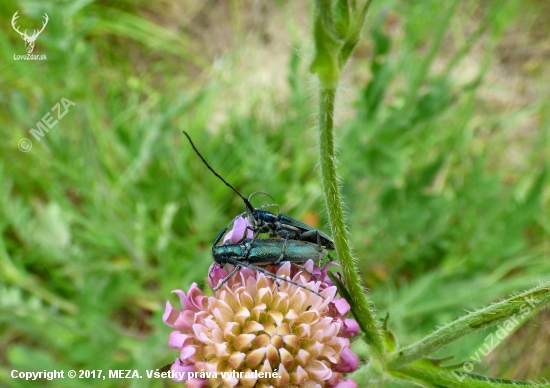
x=525, y=303
x=456, y=379
x=363, y=312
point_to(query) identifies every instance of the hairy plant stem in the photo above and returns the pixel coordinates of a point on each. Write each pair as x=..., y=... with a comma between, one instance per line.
x=364, y=314
x=520, y=305
x=434, y=377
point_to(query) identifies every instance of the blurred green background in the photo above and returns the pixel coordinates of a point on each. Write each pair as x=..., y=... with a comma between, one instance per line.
x=443, y=134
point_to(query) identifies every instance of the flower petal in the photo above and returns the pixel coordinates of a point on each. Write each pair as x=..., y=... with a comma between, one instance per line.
x=348, y=361
x=177, y=339
x=346, y=383
x=351, y=327
x=217, y=273
x=341, y=305
x=237, y=234
x=236, y=360
x=170, y=315
x=181, y=370
x=318, y=370
x=255, y=357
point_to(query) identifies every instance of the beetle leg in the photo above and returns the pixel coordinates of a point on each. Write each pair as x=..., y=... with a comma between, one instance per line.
x=302, y=268
x=219, y=236
x=319, y=245
x=250, y=245
x=283, y=251
x=212, y=268
x=225, y=279
x=304, y=237
x=248, y=228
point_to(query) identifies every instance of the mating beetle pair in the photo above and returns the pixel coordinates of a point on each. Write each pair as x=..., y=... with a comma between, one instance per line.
x=297, y=241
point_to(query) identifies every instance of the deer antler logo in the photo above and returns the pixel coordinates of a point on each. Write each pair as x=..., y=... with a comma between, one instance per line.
x=29, y=40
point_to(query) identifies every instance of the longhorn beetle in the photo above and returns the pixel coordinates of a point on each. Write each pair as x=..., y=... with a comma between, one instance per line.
x=262, y=221
x=264, y=251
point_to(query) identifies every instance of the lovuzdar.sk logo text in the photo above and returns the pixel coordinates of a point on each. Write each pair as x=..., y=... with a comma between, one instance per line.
x=29, y=39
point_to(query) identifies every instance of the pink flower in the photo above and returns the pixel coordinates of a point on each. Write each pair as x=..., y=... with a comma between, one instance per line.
x=253, y=325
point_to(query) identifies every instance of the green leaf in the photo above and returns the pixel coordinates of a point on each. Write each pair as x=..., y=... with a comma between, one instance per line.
x=389, y=338
x=342, y=17
x=503, y=312
x=439, y=377
x=355, y=33
x=336, y=33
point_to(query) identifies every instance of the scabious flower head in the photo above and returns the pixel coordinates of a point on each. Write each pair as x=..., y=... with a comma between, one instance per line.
x=251, y=324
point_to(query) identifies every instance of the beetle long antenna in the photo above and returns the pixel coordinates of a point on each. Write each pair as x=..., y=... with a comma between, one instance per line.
x=246, y=201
